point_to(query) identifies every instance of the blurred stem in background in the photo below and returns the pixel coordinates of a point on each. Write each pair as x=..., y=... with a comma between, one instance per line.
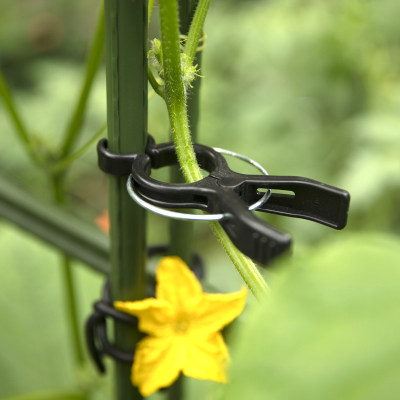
x=55, y=166
x=77, y=118
x=16, y=119
x=70, y=137
x=71, y=300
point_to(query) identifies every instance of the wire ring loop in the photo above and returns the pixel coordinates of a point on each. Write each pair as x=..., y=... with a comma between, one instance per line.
x=198, y=217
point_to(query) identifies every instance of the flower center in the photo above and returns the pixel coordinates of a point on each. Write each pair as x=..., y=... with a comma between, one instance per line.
x=181, y=324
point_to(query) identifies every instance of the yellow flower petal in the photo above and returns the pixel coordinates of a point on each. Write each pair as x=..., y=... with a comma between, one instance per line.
x=154, y=315
x=176, y=283
x=217, y=310
x=206, y=358
x=157, y=364
x=184, y=325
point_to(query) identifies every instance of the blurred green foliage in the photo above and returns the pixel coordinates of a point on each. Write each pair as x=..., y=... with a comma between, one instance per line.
x=305, y=87
x=330, y=329
x=311, y=88
x=36, y=353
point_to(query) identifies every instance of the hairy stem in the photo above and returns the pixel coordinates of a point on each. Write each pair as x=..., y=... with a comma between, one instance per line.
x=175, y=98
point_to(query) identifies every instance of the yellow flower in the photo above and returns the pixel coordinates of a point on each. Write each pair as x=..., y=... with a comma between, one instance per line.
x=183, y=325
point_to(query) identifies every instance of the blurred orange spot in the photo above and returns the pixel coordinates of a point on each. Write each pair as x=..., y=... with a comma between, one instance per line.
x=103, y=221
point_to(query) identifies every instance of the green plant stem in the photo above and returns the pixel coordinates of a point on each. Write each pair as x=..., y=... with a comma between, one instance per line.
x=176, y=104
x=244, y=265
x=14, y=114
x=68, y=160
x=69, y=284
x=159, y=89
x=150, y=9
x=75, y=123
x=17, y=120
x=181, y=233
x=175, y=96
x=72, y=308
x=196, y=29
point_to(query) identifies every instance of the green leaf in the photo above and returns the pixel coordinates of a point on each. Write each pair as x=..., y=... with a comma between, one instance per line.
x=330, y=329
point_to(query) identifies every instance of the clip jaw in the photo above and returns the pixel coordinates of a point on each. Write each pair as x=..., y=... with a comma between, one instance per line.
x=250, y=235
x=230, y=193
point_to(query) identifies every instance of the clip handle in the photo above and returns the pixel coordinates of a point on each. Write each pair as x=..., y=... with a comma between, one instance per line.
x=250, y=235
x=310, y=199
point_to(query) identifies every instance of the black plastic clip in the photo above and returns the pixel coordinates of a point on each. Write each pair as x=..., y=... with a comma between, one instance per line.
x=112, y=163
x=225, y=191
x=230, y=193
x=96, y=331
x=119, y=164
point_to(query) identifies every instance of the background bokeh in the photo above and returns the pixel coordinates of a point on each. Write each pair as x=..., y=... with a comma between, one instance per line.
x=305, y=87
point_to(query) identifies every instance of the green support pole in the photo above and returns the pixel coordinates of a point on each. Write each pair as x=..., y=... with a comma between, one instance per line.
x=126, y=62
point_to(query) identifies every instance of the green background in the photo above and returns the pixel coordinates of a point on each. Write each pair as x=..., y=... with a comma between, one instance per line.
x=308, y=88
